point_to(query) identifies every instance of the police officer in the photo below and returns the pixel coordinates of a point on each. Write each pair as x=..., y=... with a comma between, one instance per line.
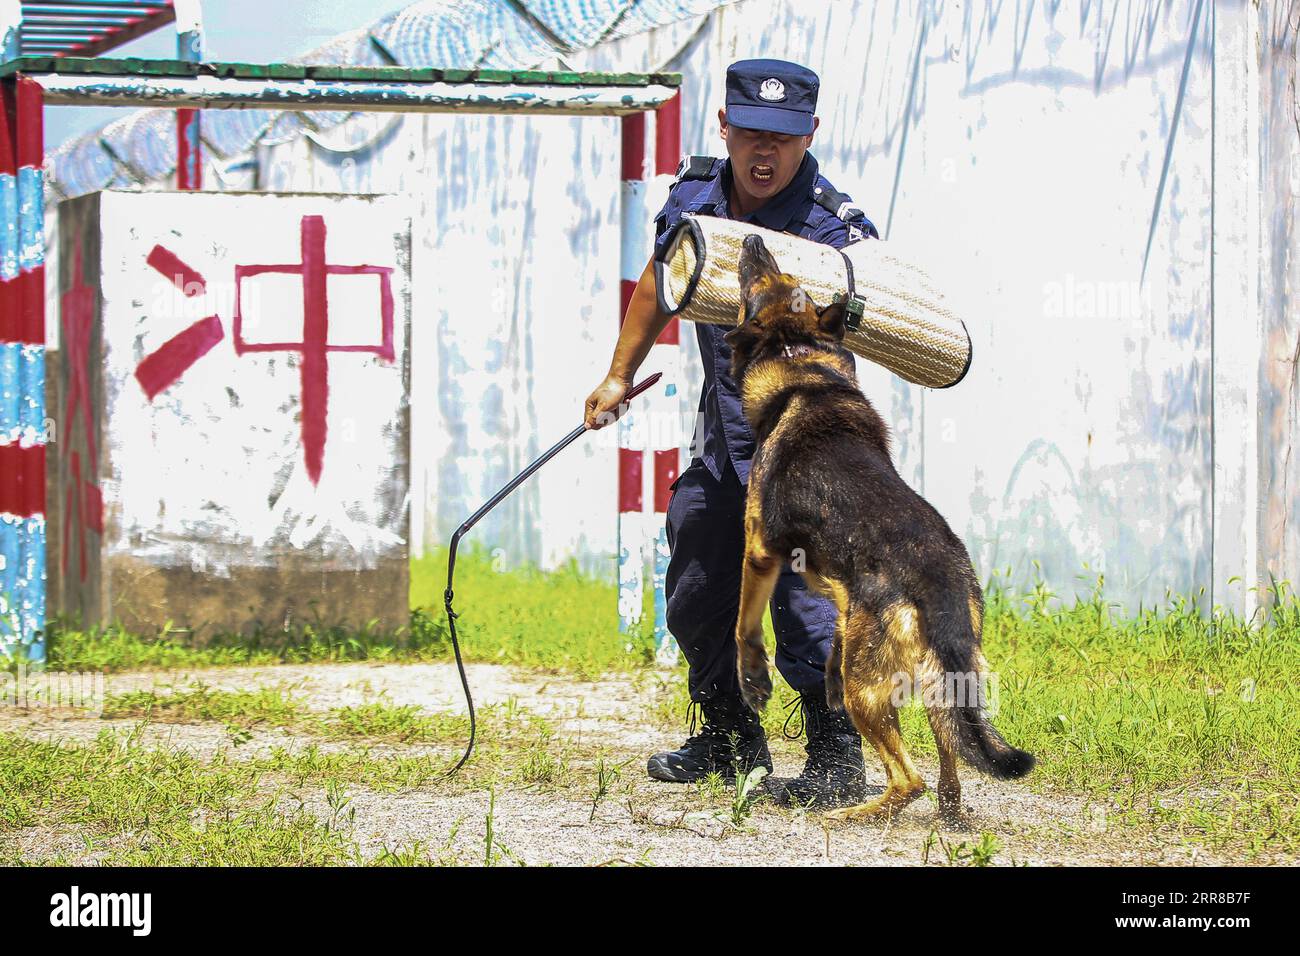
x=769, y=179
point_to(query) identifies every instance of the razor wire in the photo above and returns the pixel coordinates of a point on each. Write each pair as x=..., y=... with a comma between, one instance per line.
x=465, y=34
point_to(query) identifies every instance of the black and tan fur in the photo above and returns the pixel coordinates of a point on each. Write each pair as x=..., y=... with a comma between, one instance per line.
x=822, y=487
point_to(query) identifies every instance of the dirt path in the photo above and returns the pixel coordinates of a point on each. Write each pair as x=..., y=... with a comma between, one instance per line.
x=638, y=821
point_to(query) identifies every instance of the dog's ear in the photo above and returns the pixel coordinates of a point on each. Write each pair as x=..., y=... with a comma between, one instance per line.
x=755, y=262
x=743, y=338
x=830, y=320
x=737, y=336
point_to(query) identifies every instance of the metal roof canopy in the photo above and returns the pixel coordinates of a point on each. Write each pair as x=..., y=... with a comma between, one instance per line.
x=88, y=27
x=74, y=81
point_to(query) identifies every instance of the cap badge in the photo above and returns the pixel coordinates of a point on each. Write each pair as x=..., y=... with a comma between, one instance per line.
x=772, y=90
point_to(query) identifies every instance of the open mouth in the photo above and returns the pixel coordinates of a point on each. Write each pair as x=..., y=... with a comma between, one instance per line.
x=761, y=174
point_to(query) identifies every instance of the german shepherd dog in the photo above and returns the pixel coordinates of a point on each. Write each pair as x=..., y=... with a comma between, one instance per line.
x=822, y=487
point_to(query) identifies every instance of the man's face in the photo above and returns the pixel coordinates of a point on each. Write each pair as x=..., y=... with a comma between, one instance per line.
x=762, y=163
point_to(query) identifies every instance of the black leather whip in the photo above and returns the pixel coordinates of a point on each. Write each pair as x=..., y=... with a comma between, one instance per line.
x=473, y=519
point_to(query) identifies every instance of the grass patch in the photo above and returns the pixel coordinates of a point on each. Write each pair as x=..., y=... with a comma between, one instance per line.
x=133, y=805
x=1165, y=721
x=560, y=621
x=1166, y=718
x=266, y=706
x=115, y=649
x=275, y=707
x=1168, y=721
x=149, y=807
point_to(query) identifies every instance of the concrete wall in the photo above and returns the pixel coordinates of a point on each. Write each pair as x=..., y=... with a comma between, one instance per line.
x=1274, y=28
x=234, y=414
x=1059, y=161
x=1109, y=189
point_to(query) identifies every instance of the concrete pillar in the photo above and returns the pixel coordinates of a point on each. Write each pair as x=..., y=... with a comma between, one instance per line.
x=1236, y=329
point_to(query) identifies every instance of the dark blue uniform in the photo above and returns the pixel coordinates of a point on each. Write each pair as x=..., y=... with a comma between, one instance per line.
x=705, y=528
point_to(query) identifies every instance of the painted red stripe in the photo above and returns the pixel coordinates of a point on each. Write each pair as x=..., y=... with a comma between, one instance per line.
x=189, y=151
x=666, y=464
x=30, y=287
x=92, y=506
x=22, y=480
x=386, y=309
x=668, y=136
x=10, y=311
x=169, y=361
x=291, y=268
x=185, y=278
x=10, y=470
x=74, y=489
x=625, y=289
x=30, y=138
x=634, y=146
x=34, y=480
x=29, y=149
x=629, y=479
x=8, y=128
x=22, y=308
x=315, y=331
x=670, y=334
x=68, y=512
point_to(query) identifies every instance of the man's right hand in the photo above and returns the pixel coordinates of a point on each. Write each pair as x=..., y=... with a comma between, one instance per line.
x=602, y=404
x=642, y=324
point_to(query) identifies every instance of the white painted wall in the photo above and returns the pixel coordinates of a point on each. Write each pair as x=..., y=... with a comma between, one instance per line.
x=211, y=473
x=1059, y=160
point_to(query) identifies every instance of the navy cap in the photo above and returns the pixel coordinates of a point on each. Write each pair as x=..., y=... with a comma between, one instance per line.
x=772, y=95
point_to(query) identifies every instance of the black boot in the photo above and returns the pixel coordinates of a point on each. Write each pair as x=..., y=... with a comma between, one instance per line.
x=731, y=739
x=834, y=774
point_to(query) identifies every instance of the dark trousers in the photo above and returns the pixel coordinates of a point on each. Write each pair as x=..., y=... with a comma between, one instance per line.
x=706, y=538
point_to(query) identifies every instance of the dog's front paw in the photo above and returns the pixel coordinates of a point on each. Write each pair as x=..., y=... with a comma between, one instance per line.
x=755, y=683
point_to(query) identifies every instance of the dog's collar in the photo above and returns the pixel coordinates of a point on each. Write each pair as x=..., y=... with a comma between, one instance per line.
x=795, y=351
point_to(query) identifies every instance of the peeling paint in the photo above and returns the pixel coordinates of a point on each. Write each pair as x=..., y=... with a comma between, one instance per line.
x=1024, y=152
x=219, y=92
x=195, y=483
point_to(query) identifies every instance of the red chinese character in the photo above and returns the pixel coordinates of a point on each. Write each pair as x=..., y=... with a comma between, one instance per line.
x=315, y=330
x=169, y=362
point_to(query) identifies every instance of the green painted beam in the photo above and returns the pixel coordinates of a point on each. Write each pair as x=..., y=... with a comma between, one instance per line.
x=136, y=67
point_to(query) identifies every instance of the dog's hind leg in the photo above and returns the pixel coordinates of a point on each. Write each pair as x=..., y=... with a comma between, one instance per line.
x=758, y=577
x=940, y=715
x=873, y=652
x=877, y=720
x=950, y=809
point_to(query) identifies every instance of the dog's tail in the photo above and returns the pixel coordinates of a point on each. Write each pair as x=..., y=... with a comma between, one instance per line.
x=953, y=627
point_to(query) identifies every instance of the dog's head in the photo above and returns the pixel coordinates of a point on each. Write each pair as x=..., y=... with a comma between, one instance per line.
x=778, y=317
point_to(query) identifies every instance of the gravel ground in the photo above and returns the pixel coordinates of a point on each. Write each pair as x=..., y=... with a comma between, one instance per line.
x=639, y=821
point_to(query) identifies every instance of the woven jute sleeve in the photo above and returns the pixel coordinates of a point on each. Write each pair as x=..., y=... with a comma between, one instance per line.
x=906, y=324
